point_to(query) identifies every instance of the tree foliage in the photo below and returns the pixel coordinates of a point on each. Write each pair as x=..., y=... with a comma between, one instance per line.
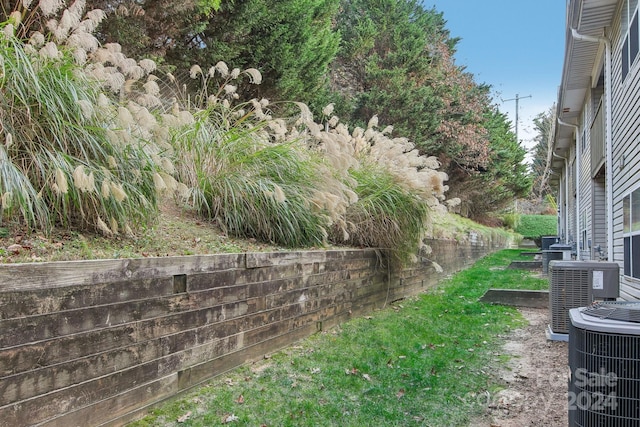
x=495, y=187
x=401, y=55
x=290, y=41
x=388, y=58
x=541, y=164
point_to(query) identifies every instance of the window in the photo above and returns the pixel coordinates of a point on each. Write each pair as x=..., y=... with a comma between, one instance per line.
x=631, y=219
x=631, y=44
x=583, y=145
x=583, y=231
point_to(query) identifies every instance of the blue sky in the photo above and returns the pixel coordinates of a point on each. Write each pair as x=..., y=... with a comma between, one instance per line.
x=516, y=46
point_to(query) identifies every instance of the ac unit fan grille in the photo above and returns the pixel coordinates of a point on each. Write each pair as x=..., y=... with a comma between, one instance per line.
x=617, y=310
x=569, y=289
x=604, y=387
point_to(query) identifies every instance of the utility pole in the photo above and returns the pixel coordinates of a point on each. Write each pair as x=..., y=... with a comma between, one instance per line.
x=517, y=99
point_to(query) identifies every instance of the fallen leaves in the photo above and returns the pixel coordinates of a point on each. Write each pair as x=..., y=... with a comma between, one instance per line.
x=185, y=417
x=229, y=418
x=352, y=371
x=355, y=371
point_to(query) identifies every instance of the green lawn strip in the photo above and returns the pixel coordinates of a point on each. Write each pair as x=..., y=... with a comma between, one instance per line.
x=423, y=361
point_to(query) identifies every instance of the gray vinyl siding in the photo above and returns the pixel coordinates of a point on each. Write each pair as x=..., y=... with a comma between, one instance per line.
x=599, y=209
x=626, y=141
x=584, y=216
x=571, y=212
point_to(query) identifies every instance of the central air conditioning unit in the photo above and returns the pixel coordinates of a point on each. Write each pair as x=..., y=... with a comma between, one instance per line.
x=604, y=359
x=576, y=284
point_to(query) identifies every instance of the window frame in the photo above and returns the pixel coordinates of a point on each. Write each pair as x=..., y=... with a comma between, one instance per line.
x=631, y=39
x=631, y=233
x=583, y=231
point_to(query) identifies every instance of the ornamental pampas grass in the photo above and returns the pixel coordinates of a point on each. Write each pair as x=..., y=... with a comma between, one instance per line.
x=222, y=68
x=114, y=225
x=50, y=51
x=102, y=56
x=61, y=181
x=50, y=7
x=125, y=118
x=147, y=65
x=149, y=101
x=102, y=227
x=37, y=39
x=105, y=188
x=117, y=191
x=328, y=110
x=195, y=71
x=255, y=77
x=94, y=18
x=84, y=41
x=159, y=183
x=8, y=31
x=114, y=80
x=75, y=125
x=86, y=108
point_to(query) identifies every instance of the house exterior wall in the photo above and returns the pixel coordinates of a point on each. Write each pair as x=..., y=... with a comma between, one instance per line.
x=599, y=234
x=590, y=18
x=584, y=175
x=625, y=138
x=573, y=219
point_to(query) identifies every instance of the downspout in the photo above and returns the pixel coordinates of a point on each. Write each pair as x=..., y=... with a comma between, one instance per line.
x=609, y=148
x=578, y=173
x=566, y=195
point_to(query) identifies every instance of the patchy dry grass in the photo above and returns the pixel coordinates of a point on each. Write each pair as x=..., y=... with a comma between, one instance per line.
x=174, y=232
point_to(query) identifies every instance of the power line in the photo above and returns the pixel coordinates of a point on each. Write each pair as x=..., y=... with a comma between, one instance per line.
x=517, y=99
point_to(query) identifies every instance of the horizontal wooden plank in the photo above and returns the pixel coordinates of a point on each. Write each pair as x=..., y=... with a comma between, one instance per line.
x=517, y=298
x=56, y=350
x=111, y=409
x=42, y=301
x=37, y=276
x=43, y=327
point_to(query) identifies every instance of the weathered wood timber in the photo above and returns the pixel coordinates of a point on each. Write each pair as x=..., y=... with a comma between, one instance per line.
x=99, y=342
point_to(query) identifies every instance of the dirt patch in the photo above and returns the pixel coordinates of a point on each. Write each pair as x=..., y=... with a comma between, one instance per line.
x=535, y=379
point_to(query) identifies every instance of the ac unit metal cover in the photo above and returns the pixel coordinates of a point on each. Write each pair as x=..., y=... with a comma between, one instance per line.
x=576, y=284
x=604, y=358
x=616, y=310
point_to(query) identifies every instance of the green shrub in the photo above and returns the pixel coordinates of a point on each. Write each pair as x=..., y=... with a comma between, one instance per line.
x=250, y=186
x=511, y=220
x=58, y=164
x=387, y=215
x=535, y=226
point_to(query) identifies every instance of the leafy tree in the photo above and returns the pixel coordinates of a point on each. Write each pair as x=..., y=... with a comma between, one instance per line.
x=489, y=190
x=541, y=165
x=291, y=42
x=401, y=56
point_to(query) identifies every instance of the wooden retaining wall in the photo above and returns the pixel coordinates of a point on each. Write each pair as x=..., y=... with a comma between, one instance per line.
x=93, y=343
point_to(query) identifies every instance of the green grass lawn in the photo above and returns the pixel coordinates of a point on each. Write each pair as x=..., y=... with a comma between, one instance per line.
x=424, y=361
